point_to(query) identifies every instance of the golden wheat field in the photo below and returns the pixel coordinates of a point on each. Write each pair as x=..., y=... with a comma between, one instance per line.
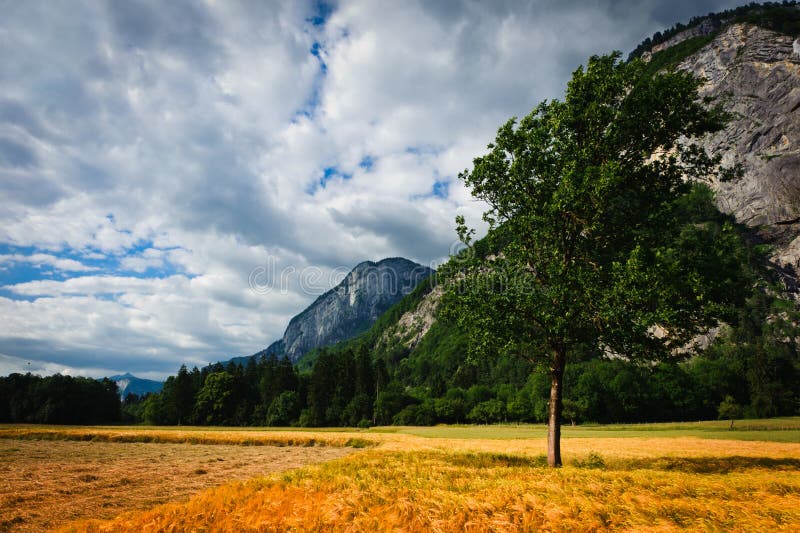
x=654, y=478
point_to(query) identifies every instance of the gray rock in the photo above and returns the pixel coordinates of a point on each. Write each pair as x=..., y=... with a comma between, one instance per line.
x=756, y=75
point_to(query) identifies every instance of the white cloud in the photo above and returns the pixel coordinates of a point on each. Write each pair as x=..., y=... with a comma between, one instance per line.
x=39, y=260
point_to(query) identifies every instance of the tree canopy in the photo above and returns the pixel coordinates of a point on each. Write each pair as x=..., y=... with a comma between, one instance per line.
x=588, y=242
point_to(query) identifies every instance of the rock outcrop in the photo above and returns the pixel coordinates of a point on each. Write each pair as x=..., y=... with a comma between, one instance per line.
x=706, y=27
x=414, y=324
x=756, y=75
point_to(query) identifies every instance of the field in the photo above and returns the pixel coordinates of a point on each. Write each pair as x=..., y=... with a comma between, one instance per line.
x=45, y=484
x=658, y=477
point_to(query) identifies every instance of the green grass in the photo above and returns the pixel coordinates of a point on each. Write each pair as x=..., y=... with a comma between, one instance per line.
x=773, y=430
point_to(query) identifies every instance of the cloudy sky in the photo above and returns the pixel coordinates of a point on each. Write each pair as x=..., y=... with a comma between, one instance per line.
x=180, y=178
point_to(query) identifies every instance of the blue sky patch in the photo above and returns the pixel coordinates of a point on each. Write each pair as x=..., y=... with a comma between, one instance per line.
x=23, y=264
x=441, y=189
x=322, y=11
x=312, y=102
x=367, y=162
x=328, y=174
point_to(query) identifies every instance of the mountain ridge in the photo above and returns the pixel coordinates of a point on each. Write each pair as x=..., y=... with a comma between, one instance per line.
x=127, y=383
x=369, y=290
x=348, y=309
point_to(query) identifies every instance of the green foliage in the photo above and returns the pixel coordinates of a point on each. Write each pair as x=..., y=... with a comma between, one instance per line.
x=58, y=399
x=488, y=412
x=729, y=409
x=600, y=254
x=284, y=409
x=595, y=389
x=587, y=212
x=215, y=403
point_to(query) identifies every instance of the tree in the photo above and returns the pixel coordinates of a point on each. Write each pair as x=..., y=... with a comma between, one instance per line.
x=586, y=244
x=184, y=394
x=729, y=409
x=284, y=409
x=216, y=400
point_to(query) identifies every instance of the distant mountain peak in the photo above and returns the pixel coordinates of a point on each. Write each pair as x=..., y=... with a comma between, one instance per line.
x=352, y=306
x=127, y=383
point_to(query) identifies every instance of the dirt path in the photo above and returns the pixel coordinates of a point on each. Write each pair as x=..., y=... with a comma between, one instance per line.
x=44, y=484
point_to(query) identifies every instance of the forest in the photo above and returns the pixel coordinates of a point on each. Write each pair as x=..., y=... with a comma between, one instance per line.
x=58, y=399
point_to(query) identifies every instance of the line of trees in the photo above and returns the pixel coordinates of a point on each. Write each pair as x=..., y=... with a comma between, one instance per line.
x=58, y=399
x=340, y=390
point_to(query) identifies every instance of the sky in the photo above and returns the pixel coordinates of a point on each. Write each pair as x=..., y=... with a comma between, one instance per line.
x=178, y=179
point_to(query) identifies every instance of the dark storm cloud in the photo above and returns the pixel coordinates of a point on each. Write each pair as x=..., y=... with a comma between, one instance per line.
x=29, y=189
x=14, y=113
x=402, y=224
x=183, y=27
x=16, y=154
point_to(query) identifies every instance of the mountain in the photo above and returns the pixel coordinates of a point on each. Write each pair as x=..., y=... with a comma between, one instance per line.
x=129, y=384
x=350, y=308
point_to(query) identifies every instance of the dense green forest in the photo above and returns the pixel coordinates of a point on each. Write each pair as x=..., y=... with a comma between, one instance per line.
x=58, y=399
x=755, y=365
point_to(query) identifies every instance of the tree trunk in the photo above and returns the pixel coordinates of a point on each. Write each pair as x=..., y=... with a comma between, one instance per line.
x=554, y=414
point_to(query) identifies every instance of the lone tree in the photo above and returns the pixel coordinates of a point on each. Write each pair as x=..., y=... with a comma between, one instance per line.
x=589, y=245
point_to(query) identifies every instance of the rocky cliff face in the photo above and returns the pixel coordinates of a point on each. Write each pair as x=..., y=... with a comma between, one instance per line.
x=756, y=75
x=414, y=324
x=352, y=306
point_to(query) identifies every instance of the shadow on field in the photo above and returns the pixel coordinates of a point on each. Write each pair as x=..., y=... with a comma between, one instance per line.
x=691, y=465
x=707, y=465
x=494, y=460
